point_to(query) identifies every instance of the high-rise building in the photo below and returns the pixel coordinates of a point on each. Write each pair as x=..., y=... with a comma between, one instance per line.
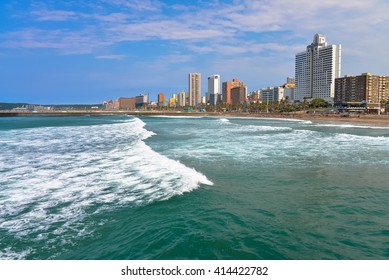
x=366, y=87
x=141, y=100
x=213, y=86
x=290, y=80
x=194, y=89
x=227, y=87
x=316, y=70
x=181, y=99
x=161, y=98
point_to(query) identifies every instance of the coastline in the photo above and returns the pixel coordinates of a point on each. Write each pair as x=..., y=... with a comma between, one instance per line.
x=354, y=118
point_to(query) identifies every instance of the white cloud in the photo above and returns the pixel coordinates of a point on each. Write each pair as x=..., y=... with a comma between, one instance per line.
x=281, y=26
x=46, y=15
x=139, y=5
x=111, y=56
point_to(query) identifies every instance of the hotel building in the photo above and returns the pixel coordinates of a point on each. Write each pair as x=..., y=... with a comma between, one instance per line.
x=316, y=70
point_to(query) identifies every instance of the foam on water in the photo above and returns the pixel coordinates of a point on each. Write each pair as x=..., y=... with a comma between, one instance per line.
x=177, y=117
x=223, y=120
x=253, y=128
x=281, y=144
x=53, y=178
x=352, y=126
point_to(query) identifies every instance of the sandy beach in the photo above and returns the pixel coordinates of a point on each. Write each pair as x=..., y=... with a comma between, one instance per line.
x=354, y=118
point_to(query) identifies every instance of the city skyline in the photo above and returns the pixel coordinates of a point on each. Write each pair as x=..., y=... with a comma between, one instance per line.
x=62, y=52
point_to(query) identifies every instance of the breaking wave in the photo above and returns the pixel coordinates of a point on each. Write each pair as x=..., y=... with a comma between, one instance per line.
x=54, y=177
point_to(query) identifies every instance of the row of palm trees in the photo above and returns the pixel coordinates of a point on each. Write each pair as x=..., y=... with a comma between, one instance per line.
x=267, y=107
x=283, y=106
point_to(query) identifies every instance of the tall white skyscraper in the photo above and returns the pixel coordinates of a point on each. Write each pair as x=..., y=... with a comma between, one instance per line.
x=213, y=86
x=316, y=70
x=194, y=89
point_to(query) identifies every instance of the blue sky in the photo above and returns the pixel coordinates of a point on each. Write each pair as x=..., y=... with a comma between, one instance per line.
x=88, y=51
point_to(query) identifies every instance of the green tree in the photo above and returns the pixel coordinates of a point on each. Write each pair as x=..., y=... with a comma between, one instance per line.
x=318, y=103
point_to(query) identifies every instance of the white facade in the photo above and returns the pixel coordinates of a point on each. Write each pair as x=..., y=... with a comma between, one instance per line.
x=272, y=94
x=194, y=89
x=278, y=93
x=213, y=86
x=267, y=94
x=316, y=70
x=181, y=99
x=289, y=94
x=141, y=99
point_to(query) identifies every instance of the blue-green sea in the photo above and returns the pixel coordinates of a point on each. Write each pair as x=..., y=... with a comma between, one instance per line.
x=125, y=187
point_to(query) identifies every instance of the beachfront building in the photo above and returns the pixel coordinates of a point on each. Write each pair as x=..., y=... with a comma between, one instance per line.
x=161, y=99
x=272, y=94
x=108, y=105
x=366, y=88
x=239, y=95
x=316, y=70
x=194, y=89
x=228, y=86
x=181, y=99
x=267, y=94
x=173, y=101
x=125, y=103
x=289, y=92
x=213, y=88
x=141, y=100
x=215, y=98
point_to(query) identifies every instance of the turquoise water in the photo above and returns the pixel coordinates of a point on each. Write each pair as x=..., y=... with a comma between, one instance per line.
x=121, y=187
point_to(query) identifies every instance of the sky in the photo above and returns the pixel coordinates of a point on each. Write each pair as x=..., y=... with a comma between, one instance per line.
x=89, y=51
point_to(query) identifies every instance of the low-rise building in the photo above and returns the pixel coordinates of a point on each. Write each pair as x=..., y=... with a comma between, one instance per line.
x=125, y=103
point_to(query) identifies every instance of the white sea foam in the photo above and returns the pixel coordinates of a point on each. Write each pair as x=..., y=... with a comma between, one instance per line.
x=9, y=254
x=352, y=126
x=259, y=128
x=223, y=120
x=267, y=119
x=177, y=117
x=50, y=186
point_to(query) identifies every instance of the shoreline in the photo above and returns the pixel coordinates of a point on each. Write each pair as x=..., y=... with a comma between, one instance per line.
x=354, y=118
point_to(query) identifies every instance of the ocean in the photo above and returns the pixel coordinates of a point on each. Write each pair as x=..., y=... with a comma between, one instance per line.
x=124, y=187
